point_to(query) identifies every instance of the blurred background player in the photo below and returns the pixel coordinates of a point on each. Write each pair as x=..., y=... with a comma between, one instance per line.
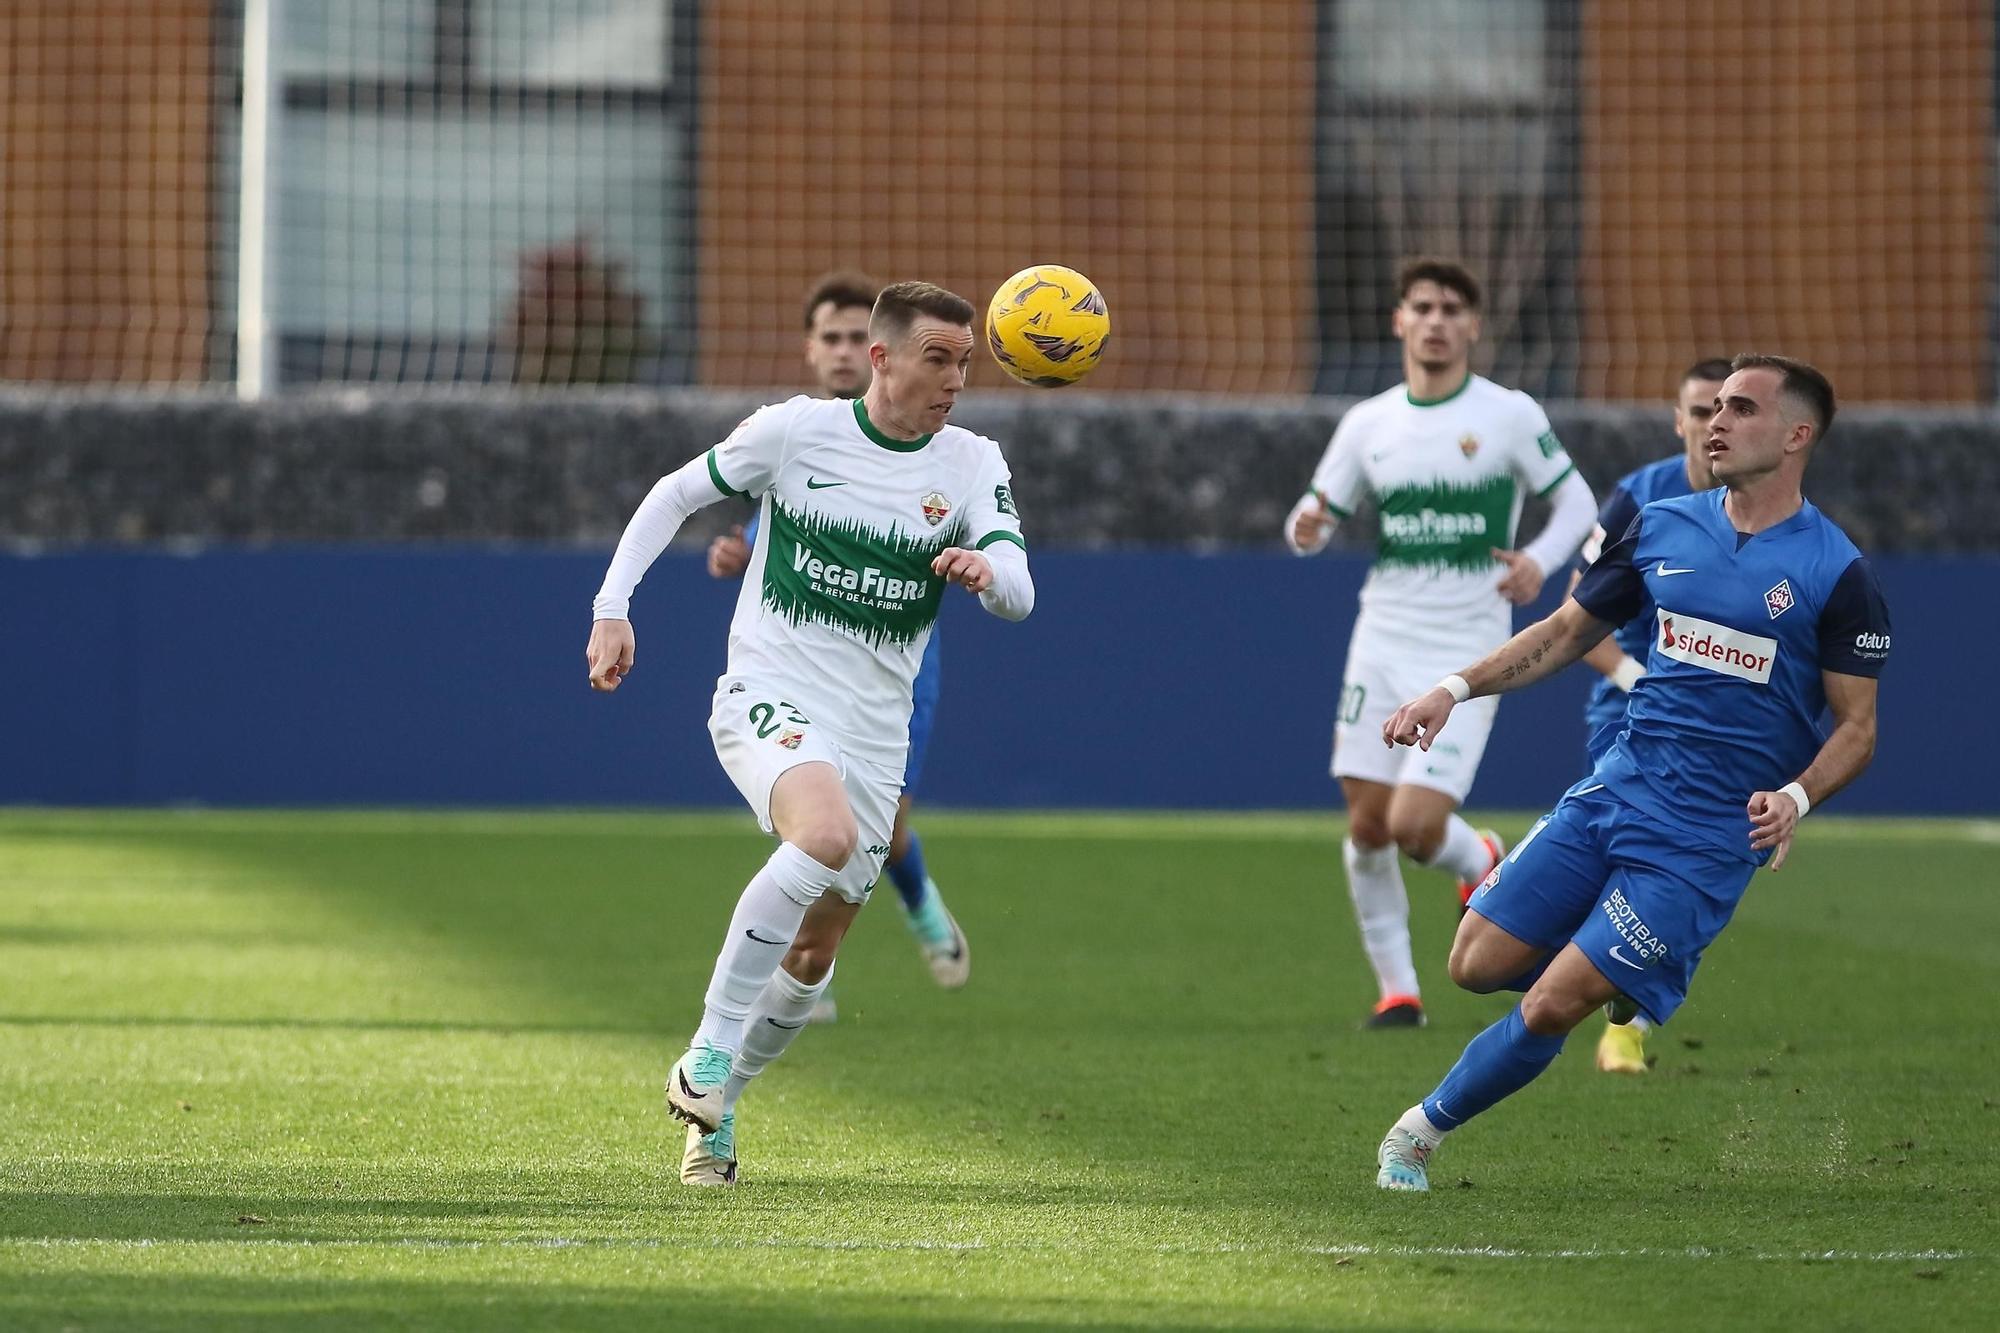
x=1621, y=659
x=836, y=352
x=1447, y=456
x=1768, y=619
x=870, y=509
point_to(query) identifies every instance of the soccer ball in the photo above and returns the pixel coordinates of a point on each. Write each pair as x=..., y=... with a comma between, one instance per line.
x=1047, y=326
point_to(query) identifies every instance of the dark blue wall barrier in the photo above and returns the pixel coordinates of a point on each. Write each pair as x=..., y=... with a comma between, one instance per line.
x=455, y=676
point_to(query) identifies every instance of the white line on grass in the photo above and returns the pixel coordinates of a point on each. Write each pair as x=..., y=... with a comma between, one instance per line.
x=1351, y=1250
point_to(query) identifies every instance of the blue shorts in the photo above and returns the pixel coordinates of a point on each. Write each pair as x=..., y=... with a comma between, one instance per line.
x=923, y=704
x=1641, y=902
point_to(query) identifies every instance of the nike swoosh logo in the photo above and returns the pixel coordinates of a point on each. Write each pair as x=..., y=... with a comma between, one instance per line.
x=688, y=1087
x=761, y=940
x=815, y=484
x=1636, y=967
x=789, y=1027
x=1662, y=571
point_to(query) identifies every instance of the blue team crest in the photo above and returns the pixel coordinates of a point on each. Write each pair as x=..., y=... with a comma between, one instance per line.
x=1779, y=599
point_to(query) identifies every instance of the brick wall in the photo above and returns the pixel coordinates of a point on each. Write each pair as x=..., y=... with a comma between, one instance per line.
x=1807, y=176
x=104, y=190
x=1163, y=149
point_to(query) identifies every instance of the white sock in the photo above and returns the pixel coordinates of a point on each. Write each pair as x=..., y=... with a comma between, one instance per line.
x=1415, y=1123
x=760, y=933
x=1640, y=1024
x=1463, y=852
x=1382, y=907
x=784, y=1007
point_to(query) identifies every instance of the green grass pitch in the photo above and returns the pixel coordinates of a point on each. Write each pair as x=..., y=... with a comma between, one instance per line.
x=312, y=1071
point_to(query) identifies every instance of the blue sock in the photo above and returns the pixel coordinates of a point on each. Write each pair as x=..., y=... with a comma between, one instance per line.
x=909, y=874
x=1497, y=1063
x=1526, y=981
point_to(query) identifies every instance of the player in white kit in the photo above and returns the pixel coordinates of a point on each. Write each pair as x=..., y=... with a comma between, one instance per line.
x=1448, y=458
x=869, y=508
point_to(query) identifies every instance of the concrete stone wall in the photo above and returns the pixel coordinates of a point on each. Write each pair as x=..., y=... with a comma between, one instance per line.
x=1180, y=471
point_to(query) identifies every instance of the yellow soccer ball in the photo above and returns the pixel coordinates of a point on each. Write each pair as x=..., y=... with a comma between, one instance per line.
x=1047, y=326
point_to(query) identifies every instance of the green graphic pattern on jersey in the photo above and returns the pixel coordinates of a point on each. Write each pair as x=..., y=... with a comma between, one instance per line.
x=1448, y=478
x=1446, y=524
x=873, y=582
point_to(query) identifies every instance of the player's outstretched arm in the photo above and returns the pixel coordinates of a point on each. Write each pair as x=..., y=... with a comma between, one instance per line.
x=1775, y=815
x=1539, y=651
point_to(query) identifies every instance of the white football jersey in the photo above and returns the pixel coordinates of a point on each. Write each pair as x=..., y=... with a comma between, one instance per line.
x=839, y=598
x=1448, y=478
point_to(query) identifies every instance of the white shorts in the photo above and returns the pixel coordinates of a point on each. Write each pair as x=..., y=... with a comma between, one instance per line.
x=1376, y=685
x=759, y=737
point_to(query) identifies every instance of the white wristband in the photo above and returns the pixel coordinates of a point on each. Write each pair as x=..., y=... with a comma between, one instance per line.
x=1456, y=687
x=1798, y=795
x=1627, y=673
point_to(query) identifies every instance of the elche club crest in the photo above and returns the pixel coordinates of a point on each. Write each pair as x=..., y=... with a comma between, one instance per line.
x=936, y=508
x=1779, y=599
x=1468, y=444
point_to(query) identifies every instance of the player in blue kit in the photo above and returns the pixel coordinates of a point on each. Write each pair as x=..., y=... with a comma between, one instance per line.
x=1766, y=618
x=1620, y=658
x=836, y=352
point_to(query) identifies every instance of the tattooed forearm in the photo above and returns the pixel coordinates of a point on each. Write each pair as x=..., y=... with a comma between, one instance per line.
x=1538, y=651
x=1523, y=664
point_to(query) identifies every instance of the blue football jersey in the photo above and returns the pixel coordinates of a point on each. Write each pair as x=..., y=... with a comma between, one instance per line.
x=1663, y=480
x=1732, y=701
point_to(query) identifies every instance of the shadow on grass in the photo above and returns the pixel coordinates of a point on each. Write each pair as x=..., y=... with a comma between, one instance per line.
x=255, y=1216
x=482, y=1209
x=310, y=1304
x=329, y=1025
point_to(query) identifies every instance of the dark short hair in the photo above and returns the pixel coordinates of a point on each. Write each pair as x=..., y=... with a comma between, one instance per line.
x=1446, y=273
x=1800, y=382
x=1713, y=368
x=844, y=288
x=897, y=308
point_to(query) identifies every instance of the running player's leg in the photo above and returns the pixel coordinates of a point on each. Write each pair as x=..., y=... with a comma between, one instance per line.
x=789, y=773
x=1367, y=771
x=936, y=931
x=907, y=870
x=1668, y=900
x=786, y=1001
x=939, y=937
x=906, y=850
x=1524, y=912
x=1621, y=1048
x=1381, y=904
